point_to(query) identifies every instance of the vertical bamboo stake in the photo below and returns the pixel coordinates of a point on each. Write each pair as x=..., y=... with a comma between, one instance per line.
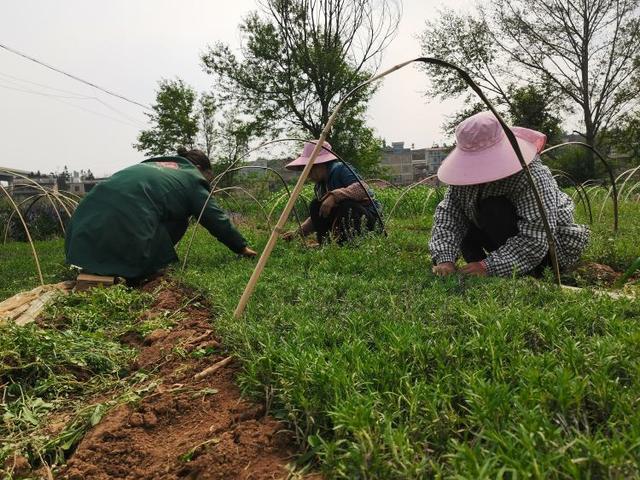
x=248, y=291
x=281, y=221
x=266, y=253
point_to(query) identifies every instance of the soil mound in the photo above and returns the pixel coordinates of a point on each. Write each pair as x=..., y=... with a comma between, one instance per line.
x=184, y=428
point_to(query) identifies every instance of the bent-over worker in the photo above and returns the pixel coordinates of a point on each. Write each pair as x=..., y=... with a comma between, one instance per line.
x=343, y=206
x=489, y=213
x=128, y=225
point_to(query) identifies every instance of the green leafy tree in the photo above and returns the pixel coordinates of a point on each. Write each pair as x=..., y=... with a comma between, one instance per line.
x=233, y=136
x=536, y=108
x=623, y=141
x=299, y=58
x=174, y=121
x=584, y=50
x=530, y=106
x=207, y=109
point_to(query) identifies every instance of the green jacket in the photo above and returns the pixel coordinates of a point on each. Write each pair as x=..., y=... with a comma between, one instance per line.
x=128, y=225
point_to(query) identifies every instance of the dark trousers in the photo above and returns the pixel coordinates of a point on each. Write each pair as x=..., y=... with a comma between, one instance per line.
x=347, y=220
x=497, y=222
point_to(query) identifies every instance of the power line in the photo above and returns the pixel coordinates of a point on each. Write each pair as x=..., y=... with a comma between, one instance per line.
x=76, y=95
x=24, y=55
x=58, y=98
x=13, y=77
x=44, y=94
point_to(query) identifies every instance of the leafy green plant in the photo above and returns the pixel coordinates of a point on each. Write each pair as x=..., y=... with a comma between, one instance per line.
x=633, y=268
x=384, y=371
x=53, y=368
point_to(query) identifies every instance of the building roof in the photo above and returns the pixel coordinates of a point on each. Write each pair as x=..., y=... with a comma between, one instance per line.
x=8, y=171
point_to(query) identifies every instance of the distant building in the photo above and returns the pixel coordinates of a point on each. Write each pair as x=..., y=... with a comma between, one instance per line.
x=76, y=183
x=22, y=188
x=9, y=175
x=409, y=165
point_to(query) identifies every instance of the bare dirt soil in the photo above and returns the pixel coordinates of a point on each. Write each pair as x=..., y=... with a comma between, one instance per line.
x=185, y=428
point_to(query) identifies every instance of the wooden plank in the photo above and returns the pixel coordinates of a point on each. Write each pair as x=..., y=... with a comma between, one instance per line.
x=85, y=281
x=86, y=277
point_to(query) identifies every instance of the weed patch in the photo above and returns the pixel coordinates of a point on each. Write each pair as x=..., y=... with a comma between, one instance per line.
x=56, y=371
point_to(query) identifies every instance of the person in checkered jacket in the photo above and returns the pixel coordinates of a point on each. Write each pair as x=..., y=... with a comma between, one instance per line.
x=489, y=214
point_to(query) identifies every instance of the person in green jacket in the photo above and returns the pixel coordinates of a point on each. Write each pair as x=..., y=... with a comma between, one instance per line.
x=128, y=225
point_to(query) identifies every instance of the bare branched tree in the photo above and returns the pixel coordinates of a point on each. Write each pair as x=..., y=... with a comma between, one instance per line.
x=587, y=49
x=300, y=57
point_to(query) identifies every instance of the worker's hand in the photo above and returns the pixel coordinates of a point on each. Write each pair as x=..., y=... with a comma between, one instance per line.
x=327, y=205
x=476, y=269
x=444, y=268
x=247, y=252
x=290, y=235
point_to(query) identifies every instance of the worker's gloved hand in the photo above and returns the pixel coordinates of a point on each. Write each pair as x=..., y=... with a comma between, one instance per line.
x=444, y=268
x=327, y=205
x=477, y=269
x=247, y=252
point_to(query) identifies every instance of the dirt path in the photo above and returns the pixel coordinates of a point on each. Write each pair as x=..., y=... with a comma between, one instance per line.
x=184, y=429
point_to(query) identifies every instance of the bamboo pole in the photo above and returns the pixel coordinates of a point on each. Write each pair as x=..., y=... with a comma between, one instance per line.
x=255, y=276
x=26, y=229
x=407, y=190
x=266, y=253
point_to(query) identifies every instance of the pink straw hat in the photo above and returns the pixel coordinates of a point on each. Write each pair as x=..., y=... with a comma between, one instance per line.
x=323, y=157
x=483, y=152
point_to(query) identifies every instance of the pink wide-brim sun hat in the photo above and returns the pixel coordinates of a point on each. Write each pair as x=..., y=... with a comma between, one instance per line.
x=483, y=152
x=323, y=157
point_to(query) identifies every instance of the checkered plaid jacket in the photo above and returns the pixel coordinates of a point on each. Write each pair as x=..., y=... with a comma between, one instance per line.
x=524, y=251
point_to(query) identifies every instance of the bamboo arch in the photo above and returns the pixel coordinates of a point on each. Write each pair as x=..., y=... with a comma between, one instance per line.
x=255, y=276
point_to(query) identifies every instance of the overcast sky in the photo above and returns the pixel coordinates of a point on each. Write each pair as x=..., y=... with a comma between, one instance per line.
x=126, y=46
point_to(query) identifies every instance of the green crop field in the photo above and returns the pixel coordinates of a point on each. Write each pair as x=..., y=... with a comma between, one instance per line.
x=380, y=369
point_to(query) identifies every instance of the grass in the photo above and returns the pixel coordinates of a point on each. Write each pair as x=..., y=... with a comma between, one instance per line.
x=381, y=369
x=18, y=269
x=70, y=371
x=385, y=371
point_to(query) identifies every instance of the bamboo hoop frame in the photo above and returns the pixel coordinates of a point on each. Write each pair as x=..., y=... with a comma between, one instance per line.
x=630, y=173
x=37, y=186
x=407, y=190
x=231, y=167
x=284, y=184
x=580, y=191
x=13, y=212
x=266, y=253
x=612, y=178
x=251, y=196
x=26, y=229
x=60, y=197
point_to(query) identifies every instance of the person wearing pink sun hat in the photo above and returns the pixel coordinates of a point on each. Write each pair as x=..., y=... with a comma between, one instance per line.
x=489, y=215
x=344, y=205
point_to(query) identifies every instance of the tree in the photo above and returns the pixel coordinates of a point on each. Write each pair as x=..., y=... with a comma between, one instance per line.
x=536, y=108
x=299, y=58
x=233, y=135
x=207, y=109
x=174, y=121
x=528, y=106
x=585, y=50
x=63, y=179
x=624, y=139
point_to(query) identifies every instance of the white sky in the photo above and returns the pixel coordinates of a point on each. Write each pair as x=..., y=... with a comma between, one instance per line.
x=126, y=46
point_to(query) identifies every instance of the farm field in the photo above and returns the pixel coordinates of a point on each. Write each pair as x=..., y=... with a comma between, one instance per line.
x=374, y=366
